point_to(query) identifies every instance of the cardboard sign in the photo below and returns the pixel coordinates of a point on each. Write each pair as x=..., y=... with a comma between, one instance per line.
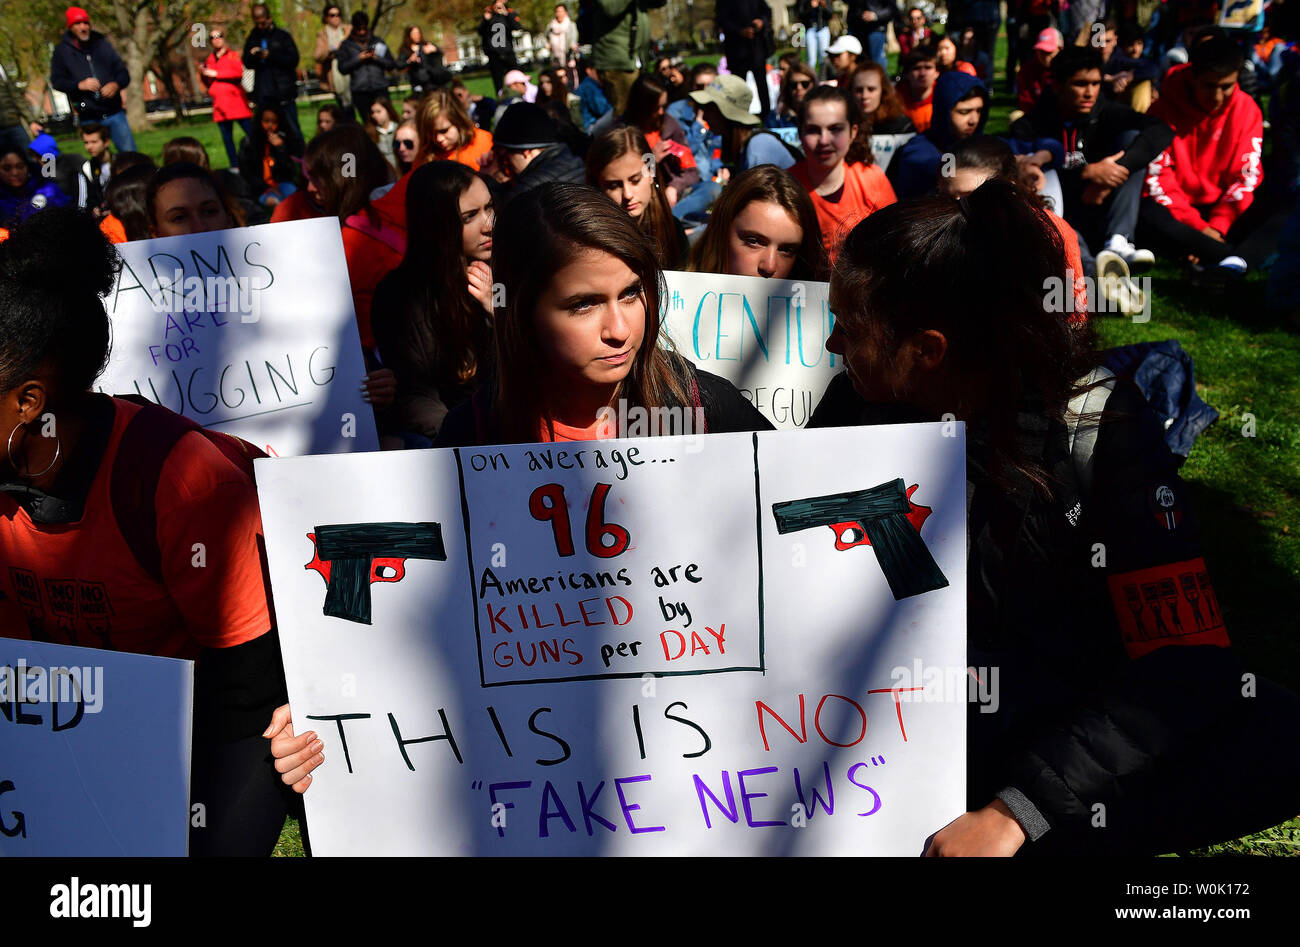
x=765, y=336
x=94, y=752
x=250, y=331
x=723, y=644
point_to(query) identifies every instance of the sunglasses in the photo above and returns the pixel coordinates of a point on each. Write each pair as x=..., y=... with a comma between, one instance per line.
x=404, y=143
x=802, y=83
x=218, y=35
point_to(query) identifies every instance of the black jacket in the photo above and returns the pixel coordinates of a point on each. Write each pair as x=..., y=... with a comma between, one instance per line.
x=497, y=34
x=283, y=167
x=556, y=163
x=734, y=16
x=885, y=11
x=1092, y=137
x=1085, y=715
x=427, y=72
x=276, y=75
x=814, y=18
x=71, y=63
x=367, y=75
x=726, y=411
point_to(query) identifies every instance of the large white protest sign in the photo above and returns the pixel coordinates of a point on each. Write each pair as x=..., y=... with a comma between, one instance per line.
x=765, y=336
x=730, y=643
x=94, y=751
x=249, y=331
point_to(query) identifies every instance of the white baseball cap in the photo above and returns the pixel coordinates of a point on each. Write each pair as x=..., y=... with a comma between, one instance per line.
x=845, y=44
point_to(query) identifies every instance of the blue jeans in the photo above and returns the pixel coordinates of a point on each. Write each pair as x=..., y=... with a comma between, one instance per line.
x=817, y=39
x=228, y=137
x=119, y=129
x=695, y=205
x=876, y=48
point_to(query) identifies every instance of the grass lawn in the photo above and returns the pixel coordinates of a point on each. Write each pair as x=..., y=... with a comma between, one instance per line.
x=1245, y=487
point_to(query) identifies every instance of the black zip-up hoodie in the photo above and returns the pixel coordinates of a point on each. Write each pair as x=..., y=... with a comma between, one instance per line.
x=71, y=63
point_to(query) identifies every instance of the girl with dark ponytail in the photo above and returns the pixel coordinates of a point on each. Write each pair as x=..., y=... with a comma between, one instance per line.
x=114, y=494
x=1088, y=597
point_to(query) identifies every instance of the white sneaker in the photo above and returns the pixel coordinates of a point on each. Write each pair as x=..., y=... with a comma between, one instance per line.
x=1117, y=292
x=1133, y=256
x=1234, y=263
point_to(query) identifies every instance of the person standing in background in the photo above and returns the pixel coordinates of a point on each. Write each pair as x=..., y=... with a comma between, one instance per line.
x=87, y=69
x=815, y=15
x=332, y=33
x=12, y=116
x=869, y=21
x=984, y=15
x=223, y=74
x=745, y=26
x=497, y=30
x=562, y=37
x=622, y=45
x=422, y=61
x=273, y=56
x=365, y=60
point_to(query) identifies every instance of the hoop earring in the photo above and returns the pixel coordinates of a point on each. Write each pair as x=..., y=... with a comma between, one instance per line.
x=9, y=452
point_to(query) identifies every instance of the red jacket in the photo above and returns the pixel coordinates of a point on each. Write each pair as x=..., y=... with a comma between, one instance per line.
x=228, y=100
x=1214, y=160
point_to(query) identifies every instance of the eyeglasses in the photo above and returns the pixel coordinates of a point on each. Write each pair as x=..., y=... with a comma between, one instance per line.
x=333, y=13
x=405, y=143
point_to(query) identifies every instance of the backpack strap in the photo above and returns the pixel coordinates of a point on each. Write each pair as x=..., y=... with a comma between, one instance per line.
x=1083, y=419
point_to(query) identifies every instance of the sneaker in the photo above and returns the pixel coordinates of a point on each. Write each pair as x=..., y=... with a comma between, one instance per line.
x=1234, y=263
x=1117, y=292
x=1133, y=256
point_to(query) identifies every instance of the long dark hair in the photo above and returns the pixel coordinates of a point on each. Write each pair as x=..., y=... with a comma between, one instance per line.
x=537, y=234
x=443, y=319
x=127, y=198
x=656, y=220
x=643, y=100
x=987, y=263
x=773, y=185
x=344, y=186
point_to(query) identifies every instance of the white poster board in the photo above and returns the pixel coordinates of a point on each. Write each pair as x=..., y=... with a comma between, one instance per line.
x=94, y=752
x=685, y=690
x=765, y=336
x=258, y=338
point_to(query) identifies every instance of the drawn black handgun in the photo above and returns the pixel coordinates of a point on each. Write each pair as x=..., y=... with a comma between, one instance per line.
x=877, y=517
x=347, y=555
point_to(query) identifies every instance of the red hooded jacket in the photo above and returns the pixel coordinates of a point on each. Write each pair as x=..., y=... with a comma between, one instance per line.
x=1213, y=161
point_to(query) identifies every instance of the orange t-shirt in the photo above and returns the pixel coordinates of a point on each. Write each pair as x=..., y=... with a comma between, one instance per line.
x=113, y=229
x=866, y=190
x=79, y=584
x=1074, y=268
x=921, y=113
x=598, y=430
x=468, y=155
x=4, y=235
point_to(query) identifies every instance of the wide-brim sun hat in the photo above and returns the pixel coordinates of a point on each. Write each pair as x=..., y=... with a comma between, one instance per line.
x=732, y=97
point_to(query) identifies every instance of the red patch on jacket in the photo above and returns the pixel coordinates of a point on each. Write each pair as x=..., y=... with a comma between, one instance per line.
x=1171, y=604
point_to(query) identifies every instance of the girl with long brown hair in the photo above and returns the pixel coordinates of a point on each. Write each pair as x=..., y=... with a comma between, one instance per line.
x=764, y=224
x=431, y=315
x=621, y=165
x=577, y=331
